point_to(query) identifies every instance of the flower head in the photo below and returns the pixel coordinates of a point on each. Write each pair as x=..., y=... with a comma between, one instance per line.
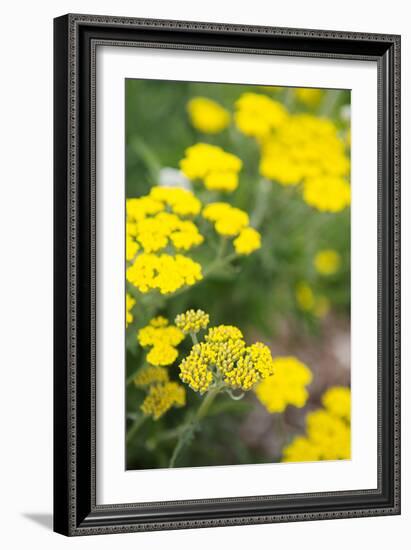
x=286, y=387
x=258, y=115
x=247, y=241
x=228, y=220
x=327, y=262
x=224, y=360
x=307, y=148
x=163, y=272
x=161, y=397
x=215, y=167
x=207, y=115
x=337, y=400
x=192, y=321
x=305, y=296
x=328, y=434
x=162, y=355
x=150, y=375
x=309, y=96
x=163, y=339
x=327, y=193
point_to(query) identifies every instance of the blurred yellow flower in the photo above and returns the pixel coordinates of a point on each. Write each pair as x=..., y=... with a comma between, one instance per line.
x=327, y=193
x=162, y=354
x=130, y=302
x=327, y=262
x=161, y=397
x=150, y=375
x=228, y=220
x=163, y=272
x=207, y=115
x=181, y=201
x=305, y=147
x=337, y=400
x=192, y=321
x=215, y=167
x=159, y=332
x=328, y=431
x=257, y=115
x=309, y=96
x=286, y=387
x=305, y=296
x=247, y=241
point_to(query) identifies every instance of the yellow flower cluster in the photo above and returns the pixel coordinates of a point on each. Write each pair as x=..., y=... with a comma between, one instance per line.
x=224, y=358
x=130, y=303
x=286, y=387
x=215, y=167
x=257, y=115
x=150, y=375
x=309, y=96
x=156, y=222
x=163, y=340
x=207, y=115
x=327, y=193
x=163, y=272
x=307, y=149
x=328, y=434
x=327, y=262
x=192, y=321
x=230, y=222
x=337, y=400
x=308, y=301
x=161, y=397
x=247, y=241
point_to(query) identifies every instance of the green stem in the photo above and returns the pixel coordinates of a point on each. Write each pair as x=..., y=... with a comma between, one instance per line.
x=138, y=422
x=191, y=425
x=262, y=203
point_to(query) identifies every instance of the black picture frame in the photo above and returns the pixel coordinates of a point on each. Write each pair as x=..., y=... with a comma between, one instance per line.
x=76, y=38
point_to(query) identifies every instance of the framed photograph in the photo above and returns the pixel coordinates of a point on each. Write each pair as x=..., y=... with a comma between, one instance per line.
x=227, y=280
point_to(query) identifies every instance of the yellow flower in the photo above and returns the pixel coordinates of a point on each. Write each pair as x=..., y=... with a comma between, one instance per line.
x=163, y=272
x=192, y=321
x=257, y=115
x=327, y=193
x=162, y=354
x=138, y=209
x=309, y=96
x=228, y=220
x=304, y=147
x=215, y=167
x=337, y=400
x=207, y=115
x=150, y=375
x=224, y=361
x=130, y=303
x=247, y=241
x=286, y=387
x=328, y=431
x=327, y=262
x=194, y=369
x=181, y=201
x=158, y=332
x=223, y=333
x=305, y=296
x=161, y=397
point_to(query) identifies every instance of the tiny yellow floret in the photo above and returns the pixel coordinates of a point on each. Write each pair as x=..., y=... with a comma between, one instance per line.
x=192, y=321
